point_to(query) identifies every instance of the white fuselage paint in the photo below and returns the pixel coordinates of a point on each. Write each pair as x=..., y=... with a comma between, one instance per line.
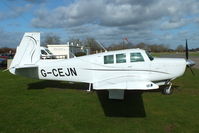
x=91, y=69
x=114, y=71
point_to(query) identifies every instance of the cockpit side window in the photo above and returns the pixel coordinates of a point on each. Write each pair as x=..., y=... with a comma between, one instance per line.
x=136, y=57
x=108, y=59
x=120, y=58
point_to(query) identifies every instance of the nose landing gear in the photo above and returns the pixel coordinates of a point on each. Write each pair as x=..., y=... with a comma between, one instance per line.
x=168, y=90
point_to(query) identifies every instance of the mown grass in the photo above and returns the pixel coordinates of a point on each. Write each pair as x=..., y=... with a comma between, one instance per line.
x=35, y=106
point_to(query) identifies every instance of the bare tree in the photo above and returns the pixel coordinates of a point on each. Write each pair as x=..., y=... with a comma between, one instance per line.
x=51, y=39
x=93, y=44
x=158, y=48
x=180, y=48
x=142, y=46
x=7, y=50
x=75, y=41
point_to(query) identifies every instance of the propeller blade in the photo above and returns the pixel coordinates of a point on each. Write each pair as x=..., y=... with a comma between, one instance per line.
x=192, y=71
x=189, y=63
x=187, y=50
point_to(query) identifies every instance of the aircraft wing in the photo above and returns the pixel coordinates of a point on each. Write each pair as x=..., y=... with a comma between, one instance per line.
x=125, y=84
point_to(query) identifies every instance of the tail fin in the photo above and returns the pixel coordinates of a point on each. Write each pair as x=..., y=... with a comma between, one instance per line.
x=28, y=52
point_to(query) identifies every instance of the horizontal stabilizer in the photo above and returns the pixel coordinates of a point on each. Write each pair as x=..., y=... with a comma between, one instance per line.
x=27, y=66
x=30, y=72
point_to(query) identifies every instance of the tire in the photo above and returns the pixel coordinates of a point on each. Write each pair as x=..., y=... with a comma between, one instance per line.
x=167, y=90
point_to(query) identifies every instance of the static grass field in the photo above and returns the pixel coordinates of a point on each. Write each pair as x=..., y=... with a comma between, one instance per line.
x=35, y=106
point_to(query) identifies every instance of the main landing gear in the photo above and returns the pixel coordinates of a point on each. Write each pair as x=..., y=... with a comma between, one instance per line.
x=168, y=90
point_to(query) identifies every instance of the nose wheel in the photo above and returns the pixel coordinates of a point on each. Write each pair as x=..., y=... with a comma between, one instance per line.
x=168, y=90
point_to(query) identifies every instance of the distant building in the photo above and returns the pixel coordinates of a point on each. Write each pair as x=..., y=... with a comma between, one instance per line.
x=68, y=50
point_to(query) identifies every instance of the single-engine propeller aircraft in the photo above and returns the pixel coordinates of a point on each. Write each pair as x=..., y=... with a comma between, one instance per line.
x=115, y=71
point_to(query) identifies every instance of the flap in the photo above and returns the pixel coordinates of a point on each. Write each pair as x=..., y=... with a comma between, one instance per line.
x=141, y=85
x=126, y=85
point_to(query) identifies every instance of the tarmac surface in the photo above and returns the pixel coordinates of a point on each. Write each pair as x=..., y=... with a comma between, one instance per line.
x=196, y=59
x=193, y=58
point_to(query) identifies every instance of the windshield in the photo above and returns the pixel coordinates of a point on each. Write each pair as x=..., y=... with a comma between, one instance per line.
x=48, y=51
x=149, y=55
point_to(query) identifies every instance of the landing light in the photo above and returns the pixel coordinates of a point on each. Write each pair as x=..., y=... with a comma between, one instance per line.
x=149, y=85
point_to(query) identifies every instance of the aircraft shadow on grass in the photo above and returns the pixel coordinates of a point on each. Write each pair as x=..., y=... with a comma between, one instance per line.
x=57, y=84
x=131, y=106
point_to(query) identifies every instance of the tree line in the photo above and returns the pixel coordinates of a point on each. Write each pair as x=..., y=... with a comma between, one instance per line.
x=95, y=46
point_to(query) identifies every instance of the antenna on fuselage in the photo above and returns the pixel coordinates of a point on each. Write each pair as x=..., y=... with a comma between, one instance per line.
x=72, y=53
x=102, y=46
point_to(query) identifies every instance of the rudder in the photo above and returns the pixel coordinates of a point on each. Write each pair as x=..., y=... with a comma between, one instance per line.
x=28, y=52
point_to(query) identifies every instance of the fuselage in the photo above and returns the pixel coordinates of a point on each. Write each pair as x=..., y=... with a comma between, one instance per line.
x=133, y=64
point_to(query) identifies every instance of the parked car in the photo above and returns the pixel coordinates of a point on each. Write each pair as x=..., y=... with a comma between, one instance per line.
x=3, y=62
x=6, y=56
x=46, y=54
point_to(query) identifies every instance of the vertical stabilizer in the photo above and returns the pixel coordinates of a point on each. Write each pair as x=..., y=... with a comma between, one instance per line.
x=28, y=52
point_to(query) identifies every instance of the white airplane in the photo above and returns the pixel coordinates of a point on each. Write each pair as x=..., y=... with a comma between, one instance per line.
x=115, y=71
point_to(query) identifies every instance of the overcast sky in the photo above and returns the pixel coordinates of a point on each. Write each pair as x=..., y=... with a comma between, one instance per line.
x=167, y=22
